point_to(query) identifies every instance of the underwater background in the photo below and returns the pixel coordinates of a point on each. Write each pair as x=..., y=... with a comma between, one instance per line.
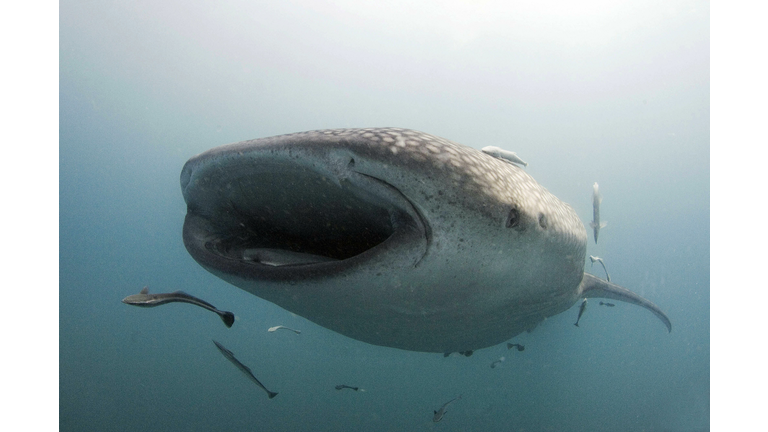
x=592, y=92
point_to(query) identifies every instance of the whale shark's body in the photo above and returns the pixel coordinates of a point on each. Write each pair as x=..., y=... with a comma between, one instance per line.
x=390, y=236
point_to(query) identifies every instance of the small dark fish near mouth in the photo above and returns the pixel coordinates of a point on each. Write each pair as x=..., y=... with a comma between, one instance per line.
x=145, y=299
x=607, y=304
x=519, y=346
x=343, y=386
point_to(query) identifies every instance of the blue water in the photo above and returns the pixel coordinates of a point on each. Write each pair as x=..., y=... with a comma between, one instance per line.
x=617, y=95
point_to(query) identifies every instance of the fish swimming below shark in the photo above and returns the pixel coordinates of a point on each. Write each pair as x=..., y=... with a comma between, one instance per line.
x=495, y=362
x=276, y=328
x=582, y=308
x=344, y=386
x=438, y=414
x=145, y=299
x=243, y=368
x=390, y=236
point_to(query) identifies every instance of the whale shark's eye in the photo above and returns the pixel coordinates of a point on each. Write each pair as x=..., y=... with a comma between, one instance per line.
x=513, y=220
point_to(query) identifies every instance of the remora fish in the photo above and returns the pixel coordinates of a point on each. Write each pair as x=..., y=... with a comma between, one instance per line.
x=582, y=308
x=493, y=365
x=505, y=155
x=243, y=368
x=607, y=304
x=403, y=220
x=595, y=259
x=596, y=200
x=441, y=412
x=145, y=299
x=343, y=386
x=275, y=328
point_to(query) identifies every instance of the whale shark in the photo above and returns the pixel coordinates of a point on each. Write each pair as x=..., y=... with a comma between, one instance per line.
x=390, y=236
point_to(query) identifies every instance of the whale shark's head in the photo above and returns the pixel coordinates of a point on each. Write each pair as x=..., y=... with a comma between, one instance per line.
x=391, y=236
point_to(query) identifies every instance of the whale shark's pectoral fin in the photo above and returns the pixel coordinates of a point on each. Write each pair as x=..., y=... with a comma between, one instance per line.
x=592, y=286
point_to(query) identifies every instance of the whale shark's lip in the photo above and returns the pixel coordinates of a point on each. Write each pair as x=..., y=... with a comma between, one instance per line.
x=275, y=219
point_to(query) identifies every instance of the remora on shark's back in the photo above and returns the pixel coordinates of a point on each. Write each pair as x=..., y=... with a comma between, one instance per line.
x=390, y=236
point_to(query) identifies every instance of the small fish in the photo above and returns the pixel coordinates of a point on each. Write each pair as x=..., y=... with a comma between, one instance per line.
x=466, y=353
x=519, y=347
x=243, y=368
x=279, y=257
x=596, y=200
x=271, y=329
x=441, y=412
x=581, y=311
x=145, y=299
x=595, y=259
x=493, y=365
x=505, y=155
x=343, y=386
x=607, y=304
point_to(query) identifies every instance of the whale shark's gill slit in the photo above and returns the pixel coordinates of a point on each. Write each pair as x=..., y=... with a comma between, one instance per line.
x=427, y=229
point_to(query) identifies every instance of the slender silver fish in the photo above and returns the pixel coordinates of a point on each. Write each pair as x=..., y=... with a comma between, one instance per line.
x=596, y=200
x=501, y=359
x=441, y=412
x=505, y=155
x=595, y=259
x=275, y=328
x=243, y=368
x=582, y=308
x=145, y=299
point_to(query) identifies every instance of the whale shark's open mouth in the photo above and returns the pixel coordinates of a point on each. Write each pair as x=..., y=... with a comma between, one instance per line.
x=263, y=220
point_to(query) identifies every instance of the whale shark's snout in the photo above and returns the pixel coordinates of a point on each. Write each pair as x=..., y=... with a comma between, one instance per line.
x=279, y=212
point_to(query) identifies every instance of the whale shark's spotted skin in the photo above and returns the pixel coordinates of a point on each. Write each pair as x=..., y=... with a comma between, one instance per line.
x=468, y=168
x=391, y=236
